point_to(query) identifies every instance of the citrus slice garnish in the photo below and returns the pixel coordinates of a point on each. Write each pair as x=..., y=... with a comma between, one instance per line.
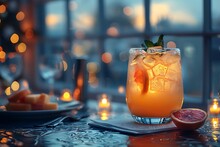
x=142, y=79
x=189, y=118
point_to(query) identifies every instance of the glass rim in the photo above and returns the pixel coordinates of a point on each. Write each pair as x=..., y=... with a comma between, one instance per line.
x=159, y=50
x=140, y=48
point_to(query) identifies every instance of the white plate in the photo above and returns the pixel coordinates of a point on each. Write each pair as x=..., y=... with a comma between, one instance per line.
x=40, y=114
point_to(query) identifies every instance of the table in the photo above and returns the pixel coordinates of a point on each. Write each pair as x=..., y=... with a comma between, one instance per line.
x=81, y=134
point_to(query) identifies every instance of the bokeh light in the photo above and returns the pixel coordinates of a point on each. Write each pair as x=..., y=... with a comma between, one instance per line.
x=20, y=16
x=2, y=9
x=113, y=31
x=106, y=57
x=4, y=140
x=171, y=44
x=52, y=20
x=15, y=86
x=78, y=50
x=8, y=91
x=2, y=55
x=14, y=38
x=21, y=48
x=92, y=67
x=25, y=84
x=121, y=89
x=128, y=11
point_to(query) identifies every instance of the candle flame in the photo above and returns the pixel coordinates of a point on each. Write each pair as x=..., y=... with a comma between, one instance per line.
x=215, y=106
x=66, y=96
x=104, y=101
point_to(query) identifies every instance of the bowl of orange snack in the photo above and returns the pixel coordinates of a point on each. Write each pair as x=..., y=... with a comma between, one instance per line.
x=25, y=100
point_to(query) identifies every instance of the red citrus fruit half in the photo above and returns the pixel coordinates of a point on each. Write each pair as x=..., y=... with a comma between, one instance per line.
x=189, y=118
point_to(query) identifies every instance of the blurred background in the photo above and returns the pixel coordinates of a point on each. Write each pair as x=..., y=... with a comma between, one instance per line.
x=103, y=31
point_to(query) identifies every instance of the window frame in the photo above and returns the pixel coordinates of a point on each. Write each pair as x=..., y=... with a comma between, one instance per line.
x=206, y=35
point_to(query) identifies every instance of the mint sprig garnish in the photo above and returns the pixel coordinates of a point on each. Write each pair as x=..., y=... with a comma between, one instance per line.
x=148, y=43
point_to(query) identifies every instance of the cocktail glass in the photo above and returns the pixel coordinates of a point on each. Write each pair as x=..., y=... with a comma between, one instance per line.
x=154, y=84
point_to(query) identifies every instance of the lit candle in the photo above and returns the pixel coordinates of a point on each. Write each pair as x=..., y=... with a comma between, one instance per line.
x=66, y=96
x=104, y=103
x=214, y=108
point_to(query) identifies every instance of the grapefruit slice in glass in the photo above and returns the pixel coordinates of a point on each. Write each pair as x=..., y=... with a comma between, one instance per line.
x=189, y=118
x=141, y=78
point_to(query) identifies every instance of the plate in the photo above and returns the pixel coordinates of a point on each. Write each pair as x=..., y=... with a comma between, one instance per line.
x=40, y=114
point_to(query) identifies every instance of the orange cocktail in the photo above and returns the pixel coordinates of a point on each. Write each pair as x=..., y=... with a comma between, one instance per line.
x=154, y=84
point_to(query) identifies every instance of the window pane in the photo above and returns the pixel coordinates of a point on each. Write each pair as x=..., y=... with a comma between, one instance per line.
x=84, y=17
x=116, y=71
x=215, y=65
x=215, y=15
x=55, y=19
x=176, y=15
x=85, y=48
x=192, y=65
x=124, y=16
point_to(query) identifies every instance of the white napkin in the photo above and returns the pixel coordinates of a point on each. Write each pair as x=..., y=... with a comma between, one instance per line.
x=124, y=123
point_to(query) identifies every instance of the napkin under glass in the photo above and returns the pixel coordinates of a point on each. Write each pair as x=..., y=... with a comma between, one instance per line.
x=124, y=123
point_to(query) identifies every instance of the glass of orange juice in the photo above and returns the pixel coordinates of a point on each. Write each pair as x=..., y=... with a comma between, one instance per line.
x=154, y=84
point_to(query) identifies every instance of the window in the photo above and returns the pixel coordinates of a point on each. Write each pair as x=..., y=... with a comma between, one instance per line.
x=215, y=45
x=104, y=31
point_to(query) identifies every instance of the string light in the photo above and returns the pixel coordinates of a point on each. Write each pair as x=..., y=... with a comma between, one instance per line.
x=15, y=86
x=14, y=38
x=8, y=91
x=2, y=9
x=20, y=16
x=2, y=56
x=21, y=48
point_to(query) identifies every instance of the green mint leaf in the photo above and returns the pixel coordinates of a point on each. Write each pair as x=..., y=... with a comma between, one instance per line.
x=160, y=41
x=148, y=43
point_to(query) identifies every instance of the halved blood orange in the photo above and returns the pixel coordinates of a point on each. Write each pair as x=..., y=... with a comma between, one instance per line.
x=189, y=118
